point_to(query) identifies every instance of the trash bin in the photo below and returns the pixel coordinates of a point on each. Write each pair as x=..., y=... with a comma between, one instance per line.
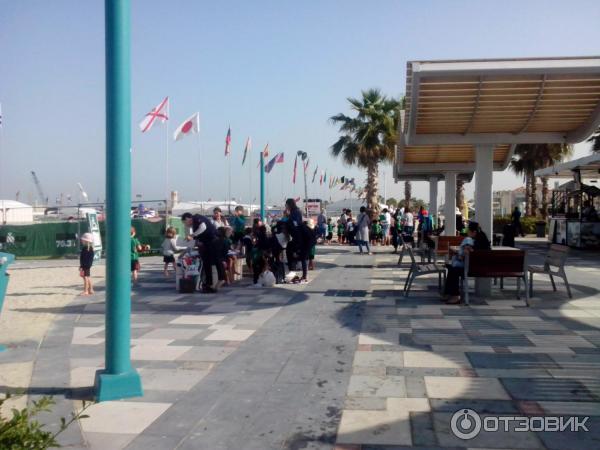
x=540, y=229
x=5, y=260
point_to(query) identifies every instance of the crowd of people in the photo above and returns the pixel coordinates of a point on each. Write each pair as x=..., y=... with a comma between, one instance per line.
x=277, y=252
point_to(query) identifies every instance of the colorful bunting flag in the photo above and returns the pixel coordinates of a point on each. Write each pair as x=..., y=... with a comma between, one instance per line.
x=228, y=142
x=160, y=112
x=295, y=168
x=315, y=174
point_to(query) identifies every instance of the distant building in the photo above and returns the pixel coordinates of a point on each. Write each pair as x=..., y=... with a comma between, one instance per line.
x=12, y=212
x=505, y=201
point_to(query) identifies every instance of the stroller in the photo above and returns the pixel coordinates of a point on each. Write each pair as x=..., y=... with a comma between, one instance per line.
x=188, y=274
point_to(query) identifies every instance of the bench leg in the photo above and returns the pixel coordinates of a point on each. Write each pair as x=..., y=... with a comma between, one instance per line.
x=410, y=282
x=407, y=278
x=564, y=277
x=552, y=281
x=466, y=289
x=501, y=283
x=526, y=290
x=519, y=288
x=531, y=283
x=401, y=256
x=440, y=281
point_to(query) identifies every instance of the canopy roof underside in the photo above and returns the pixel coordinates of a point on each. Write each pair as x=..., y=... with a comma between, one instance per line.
x=494, y=101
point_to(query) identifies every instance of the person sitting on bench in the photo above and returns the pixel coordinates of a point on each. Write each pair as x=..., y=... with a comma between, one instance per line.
x=476, y=240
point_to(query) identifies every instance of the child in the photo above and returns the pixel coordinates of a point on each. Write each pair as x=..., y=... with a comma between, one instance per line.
x=86, y=259
x=340, y=232
x=136, y=248
x=260, y=254
x=169, y=248
x=329, y=236
x=311, y=234
x=375, y=231
x=279, y=240
x=248, y=244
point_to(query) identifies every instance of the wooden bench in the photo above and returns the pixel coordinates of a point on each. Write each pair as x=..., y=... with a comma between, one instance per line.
x=496, y=264
x=443, y=244
x=556, y=257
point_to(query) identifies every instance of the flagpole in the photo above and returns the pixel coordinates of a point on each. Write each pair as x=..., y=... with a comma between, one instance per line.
x=249, y=155
x=229, y=186
x=167, y=168
x=262, y=187
x=199, y=164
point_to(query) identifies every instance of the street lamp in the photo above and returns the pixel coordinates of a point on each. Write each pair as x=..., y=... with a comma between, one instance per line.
x=304, y=156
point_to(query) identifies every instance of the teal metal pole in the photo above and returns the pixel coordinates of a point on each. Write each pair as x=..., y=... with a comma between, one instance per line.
x=262, y=187
x=118, y=379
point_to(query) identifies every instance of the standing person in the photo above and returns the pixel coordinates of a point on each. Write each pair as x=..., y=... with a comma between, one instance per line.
x=86, y=260
x=385, y=219
x=409, y=222
x=136, y=248
x=516, y=220
x=238, y=223
x=217, y=219
x=396, y=229
x=322, y=226
x=299, y=251
x=341, y=231
x=329, y=236
x=311, y=244
x=362, y=234
x=260, y=254
x=169, y=248
x=205, y=234
x=460, y=224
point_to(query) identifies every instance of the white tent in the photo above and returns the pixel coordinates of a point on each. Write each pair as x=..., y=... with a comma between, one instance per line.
x=12, y=212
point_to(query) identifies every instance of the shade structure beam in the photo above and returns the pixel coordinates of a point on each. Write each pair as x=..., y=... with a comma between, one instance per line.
x=536, y=106
x=475, y=108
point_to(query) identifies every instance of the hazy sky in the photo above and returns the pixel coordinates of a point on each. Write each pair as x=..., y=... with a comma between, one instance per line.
x=274, y=70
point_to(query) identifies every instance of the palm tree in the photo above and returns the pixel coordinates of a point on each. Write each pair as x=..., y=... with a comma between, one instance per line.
x=547, y=155
x=369, y=138
x=407, y=194
x=523, y=163
x=530, y=157
x=595, y=140
x=460, y=193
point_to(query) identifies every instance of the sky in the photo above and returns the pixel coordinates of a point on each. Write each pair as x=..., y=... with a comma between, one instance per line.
x=273, y=70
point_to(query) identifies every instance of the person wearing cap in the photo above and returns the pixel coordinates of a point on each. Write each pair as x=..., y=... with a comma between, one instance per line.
x=476, y=240
x=86, y=260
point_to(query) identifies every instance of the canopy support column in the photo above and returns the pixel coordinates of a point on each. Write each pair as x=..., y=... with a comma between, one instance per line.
x=484, y=172
x=450, y=204
x=433, y=193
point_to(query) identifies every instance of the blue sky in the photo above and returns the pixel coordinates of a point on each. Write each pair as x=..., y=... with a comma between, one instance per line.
x=274, y=70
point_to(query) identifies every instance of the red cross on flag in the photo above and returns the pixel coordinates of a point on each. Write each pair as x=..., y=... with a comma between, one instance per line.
x=189, y=126
x=160, y=112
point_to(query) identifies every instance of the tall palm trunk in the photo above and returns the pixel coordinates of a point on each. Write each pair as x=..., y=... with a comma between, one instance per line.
x=544, y=198
x=527, y=194
x=407, y=194
x=460, y=194
x=373, y=187
x=534, y=199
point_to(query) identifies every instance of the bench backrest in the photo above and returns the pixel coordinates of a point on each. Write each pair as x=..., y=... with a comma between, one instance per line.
x=495, y=263
x=443, y=243
x=556, y=256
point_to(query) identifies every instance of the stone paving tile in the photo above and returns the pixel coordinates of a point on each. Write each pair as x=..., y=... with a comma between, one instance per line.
x=197, y=319
x=171, y=333
x=158, y=353
x=374, y=386
x=170, y=379
x=124, y=417
x=206, y=353
x=384, y=359
x=430, y=359
x=511, y=361
x=465, y=387
x=547, y=389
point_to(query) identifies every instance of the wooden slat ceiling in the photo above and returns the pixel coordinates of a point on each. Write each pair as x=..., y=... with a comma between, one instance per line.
x=440, y=154
x=503, y=103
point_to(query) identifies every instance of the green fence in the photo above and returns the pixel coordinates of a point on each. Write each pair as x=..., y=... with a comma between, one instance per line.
x=58, y=239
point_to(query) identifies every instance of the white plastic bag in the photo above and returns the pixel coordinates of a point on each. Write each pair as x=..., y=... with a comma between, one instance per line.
x=266, y=279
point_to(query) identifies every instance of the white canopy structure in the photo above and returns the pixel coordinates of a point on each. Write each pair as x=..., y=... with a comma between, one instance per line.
x=467, y=115
x=587, y=167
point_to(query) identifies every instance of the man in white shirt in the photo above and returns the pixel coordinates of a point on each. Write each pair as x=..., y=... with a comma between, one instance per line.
x=217, y=219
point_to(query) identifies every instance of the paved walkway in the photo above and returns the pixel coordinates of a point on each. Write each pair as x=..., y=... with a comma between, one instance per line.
x=343, y=362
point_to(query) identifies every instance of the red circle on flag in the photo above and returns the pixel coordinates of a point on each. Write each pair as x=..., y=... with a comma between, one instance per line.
x=187, y=126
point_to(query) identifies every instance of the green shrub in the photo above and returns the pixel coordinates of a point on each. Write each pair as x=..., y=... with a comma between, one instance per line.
x=23, y=432
x=527, y=223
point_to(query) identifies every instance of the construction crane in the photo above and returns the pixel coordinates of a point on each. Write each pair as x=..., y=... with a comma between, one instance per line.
x=38, y=186
x=84, y=195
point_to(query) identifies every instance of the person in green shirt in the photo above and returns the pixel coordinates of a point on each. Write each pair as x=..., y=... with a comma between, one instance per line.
x=340, y=232
x=375, y=232
x=329, y=231
x=136, y=247
x=238, y=223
